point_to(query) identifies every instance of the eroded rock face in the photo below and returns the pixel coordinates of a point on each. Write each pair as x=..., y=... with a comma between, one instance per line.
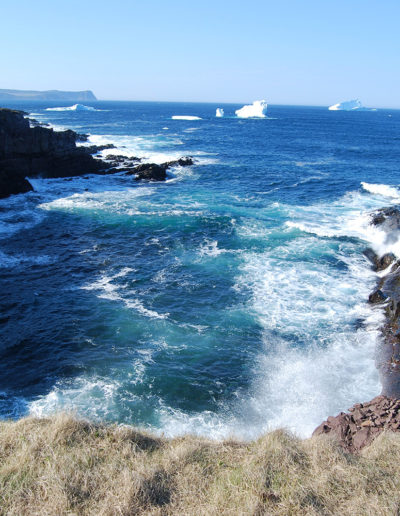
x=363, y=423
x=29, y=149
x=38, y=152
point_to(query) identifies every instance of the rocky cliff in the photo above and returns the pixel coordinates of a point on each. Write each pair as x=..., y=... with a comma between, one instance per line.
x=365, y=421
x=38, y=151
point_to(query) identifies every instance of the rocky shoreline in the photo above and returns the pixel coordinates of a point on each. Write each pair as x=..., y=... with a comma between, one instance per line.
x=365, y=421
x=30, y=150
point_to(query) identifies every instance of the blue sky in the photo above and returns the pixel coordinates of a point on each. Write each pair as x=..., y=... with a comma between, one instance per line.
x=288, y=52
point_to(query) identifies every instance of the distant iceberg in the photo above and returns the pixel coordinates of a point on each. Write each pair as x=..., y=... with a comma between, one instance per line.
x=182, y=117
x=256, y=110
x=219, y=113
x=75, y=107
x=348, y=105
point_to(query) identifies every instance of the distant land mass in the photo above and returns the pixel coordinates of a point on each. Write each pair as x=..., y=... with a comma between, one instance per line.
x=46, y=95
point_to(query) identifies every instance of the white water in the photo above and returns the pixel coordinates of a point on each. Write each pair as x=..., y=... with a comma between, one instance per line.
x=75, y=107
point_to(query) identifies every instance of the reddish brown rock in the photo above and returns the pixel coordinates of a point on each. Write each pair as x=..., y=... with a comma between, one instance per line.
x=363, y=423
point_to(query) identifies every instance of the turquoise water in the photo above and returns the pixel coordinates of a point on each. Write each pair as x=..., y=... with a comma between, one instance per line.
x=229, y=300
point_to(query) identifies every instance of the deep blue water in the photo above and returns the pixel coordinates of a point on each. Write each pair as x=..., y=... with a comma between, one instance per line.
x=230, y=299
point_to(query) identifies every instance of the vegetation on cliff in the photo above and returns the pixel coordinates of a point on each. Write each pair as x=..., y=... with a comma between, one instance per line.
x=63, y=466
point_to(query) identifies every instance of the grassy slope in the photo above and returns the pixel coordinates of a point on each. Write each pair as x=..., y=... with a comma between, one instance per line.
x=63, y=466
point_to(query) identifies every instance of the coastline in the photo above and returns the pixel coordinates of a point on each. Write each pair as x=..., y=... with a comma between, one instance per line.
x=365, y=421
x=121, y=163
x=28, y=149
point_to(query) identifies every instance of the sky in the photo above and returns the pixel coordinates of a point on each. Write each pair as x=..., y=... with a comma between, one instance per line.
x=301, y=52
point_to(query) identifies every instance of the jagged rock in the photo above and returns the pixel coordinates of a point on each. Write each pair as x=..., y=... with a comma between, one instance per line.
x=377, y=296
x=37, y=151
x=186, y=161
x=385, y=260
x=93, y=149
x=379, y=263
x=358, y=429
x=371, y=256
x=150, y=172
x=155, y=172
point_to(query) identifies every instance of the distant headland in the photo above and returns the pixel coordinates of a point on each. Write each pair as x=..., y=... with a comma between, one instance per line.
x=47, y=95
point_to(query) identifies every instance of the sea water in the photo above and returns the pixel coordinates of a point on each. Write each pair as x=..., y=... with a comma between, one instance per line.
x=227, y=301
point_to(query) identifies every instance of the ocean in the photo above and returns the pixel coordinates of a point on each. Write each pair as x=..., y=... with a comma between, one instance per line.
x=229, y=300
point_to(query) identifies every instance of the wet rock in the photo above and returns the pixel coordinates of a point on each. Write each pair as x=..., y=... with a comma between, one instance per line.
x=377, y=296
x=186, y=161
x=155, y=172
x=389, y=218
x=150, y=172
x=372, y=257
x=386, y=260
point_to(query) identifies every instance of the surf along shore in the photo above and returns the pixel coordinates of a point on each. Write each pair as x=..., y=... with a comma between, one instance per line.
x=62, y=465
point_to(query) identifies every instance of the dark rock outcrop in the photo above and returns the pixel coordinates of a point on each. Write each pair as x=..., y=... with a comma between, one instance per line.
x=149, y=172
x=31, y=150
x=38, y=152
x=155, y=172
x=363, y=423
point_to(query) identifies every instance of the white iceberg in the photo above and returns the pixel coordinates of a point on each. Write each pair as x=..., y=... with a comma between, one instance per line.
x=256, y=110
x=348, y=105
x=75, y=107
x=219, y=113
x=181, y=117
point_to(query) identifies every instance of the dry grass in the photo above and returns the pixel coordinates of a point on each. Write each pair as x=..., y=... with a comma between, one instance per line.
x=61, y=466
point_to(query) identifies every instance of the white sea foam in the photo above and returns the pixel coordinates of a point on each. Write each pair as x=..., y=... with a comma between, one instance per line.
x=75, y=107
x=386, y=191
x=219, y=113
x=152, y=148
x=78, y=395
x=256, y=110
x=106, y=289
x=350, y=217
x=185, y=117
x=210, y=248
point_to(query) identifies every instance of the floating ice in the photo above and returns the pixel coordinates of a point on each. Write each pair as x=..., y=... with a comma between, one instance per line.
x=182, y=117
x=75, y=107
x=219, y=113
x=256, y=110
x=349, y=105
